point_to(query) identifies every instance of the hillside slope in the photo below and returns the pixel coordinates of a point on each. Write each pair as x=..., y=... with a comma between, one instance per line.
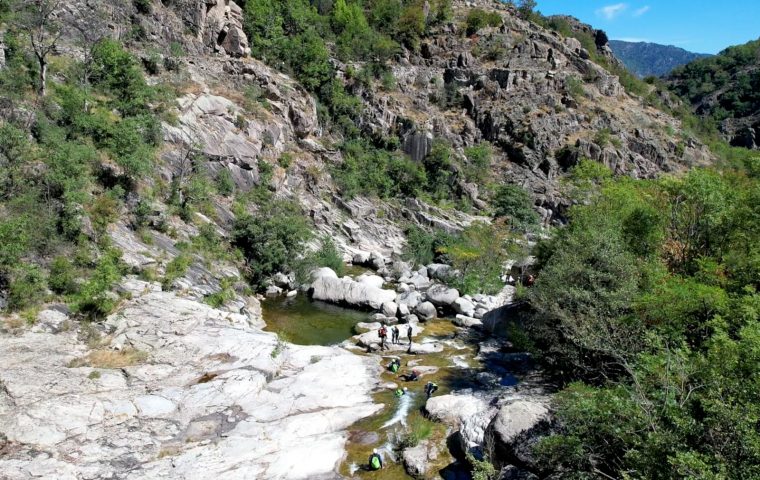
x=651, y=59
x=725, y=89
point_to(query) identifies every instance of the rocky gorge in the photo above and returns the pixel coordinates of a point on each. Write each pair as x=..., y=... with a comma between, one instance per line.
x=200, y=371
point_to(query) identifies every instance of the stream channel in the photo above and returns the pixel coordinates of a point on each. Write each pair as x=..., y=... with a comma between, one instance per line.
x=303, y=321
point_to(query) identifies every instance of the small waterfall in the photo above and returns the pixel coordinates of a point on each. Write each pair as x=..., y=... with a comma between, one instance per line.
x=402, y=410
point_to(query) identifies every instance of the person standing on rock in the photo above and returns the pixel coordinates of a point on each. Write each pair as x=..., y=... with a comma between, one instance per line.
x=383, y=334
x=409, y=335
x=375, y=461
x=394, y=334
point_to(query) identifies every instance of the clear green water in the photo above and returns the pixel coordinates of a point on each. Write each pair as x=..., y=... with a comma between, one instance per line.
x=302, y=321
x=305, y=322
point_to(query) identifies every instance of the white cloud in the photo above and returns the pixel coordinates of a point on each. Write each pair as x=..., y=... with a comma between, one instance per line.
x=641, y=11
x=611, y=11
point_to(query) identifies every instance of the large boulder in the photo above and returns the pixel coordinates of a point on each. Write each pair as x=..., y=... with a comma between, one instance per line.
x=442, y=296
x=426, y=311
x=463, y=307
x=453, y=409
x=516, y=428
x=346, y=291
x=417, y=459
x=409, y=299
x=371, y=280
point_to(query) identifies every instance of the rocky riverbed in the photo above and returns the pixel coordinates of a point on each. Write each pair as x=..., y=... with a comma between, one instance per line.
x=173, y=388
x=169, y=387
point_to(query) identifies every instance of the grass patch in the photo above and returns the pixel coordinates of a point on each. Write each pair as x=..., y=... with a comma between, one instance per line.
x=110, y=358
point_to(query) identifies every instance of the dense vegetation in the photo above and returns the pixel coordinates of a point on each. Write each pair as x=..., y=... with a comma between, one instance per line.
x=733, y=73
x=648, y=305
x=68, y=162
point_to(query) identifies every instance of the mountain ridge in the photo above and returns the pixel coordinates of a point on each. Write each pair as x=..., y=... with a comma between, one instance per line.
x=646, y=59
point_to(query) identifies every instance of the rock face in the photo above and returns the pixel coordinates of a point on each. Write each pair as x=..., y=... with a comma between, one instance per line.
x=347, y=291
x=515, y=428
x=417, y=459
x=211, y=397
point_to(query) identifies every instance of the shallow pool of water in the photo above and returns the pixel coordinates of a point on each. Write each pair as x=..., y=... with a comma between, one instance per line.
x=302, y=321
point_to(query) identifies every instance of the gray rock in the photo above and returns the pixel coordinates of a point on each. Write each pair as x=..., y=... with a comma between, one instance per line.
x=440, y=271
x=409, y=299
x=390, y=309
x=208, y=375
x=465, y=321
x=426, y=311
x=371, y=280
x=441, y=295
x=516, y=428
x=347, y=291
x=323, y=272
x=453, y=409
x=463, y=307
x=417, y=459
x=273, y=291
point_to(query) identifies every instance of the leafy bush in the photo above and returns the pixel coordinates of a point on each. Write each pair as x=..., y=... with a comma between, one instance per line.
x=62, y=276
x=370, y=171
x=478, y=162
x=479, y=253
x=423, y=246
x=271, y=239
x=95, y=298
x=640, y=303
x=175, y=269
x=478, y=18
x=516, y=204
x=27, y=287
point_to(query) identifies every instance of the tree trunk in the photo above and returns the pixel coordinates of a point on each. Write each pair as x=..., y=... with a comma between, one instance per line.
x=43, y=76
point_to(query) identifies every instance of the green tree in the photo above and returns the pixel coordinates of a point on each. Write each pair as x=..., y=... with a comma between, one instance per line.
x=271, y=239
x=515, y=204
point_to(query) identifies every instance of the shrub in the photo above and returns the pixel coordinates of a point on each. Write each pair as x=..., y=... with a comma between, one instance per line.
x=95, y=298
x=271, y=239
x=62, y=276
x=27, y=287
x=478, y=162
x=422, y=246
x=176, y=269
x=478, y=18
x=514, y=203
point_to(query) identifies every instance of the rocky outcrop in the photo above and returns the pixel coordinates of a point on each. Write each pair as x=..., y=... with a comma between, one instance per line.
x=350, y=292
x=417, y=459
x=176, y=389
x=516, y=428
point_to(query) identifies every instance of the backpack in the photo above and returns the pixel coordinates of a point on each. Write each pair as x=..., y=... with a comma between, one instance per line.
x=382, y=332
x=375, y=462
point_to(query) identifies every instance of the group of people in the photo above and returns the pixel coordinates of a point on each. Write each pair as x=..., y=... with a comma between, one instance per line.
x=395, y=333
x=375, y=460
x=412, y=376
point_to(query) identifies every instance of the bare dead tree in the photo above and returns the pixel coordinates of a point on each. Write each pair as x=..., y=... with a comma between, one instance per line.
x=38, y=19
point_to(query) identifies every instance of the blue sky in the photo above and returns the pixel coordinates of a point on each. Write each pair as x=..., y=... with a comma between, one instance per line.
x=704, y=26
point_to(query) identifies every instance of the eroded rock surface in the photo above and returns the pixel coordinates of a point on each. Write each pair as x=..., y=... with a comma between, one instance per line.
x=210, y=397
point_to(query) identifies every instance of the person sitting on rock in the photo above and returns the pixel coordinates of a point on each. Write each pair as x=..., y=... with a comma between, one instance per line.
x=375, y=461
x=430, y=389
x=394, y=365
x=400, y=392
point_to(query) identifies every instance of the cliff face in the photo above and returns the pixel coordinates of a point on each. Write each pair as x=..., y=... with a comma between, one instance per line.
x=535, y=95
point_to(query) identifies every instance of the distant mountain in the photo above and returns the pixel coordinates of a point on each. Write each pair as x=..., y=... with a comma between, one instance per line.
x=725, y=89
x=652, y=59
